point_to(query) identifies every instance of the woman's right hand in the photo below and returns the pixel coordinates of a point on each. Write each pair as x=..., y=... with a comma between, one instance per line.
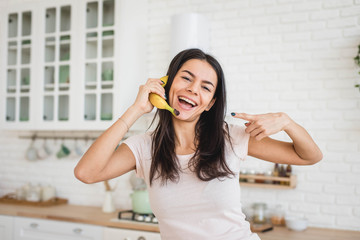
x=153, y=85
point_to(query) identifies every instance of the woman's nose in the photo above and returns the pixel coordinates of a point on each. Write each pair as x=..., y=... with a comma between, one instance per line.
x=193, y=88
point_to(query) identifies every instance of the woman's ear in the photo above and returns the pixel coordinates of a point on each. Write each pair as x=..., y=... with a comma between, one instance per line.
x=210, y=104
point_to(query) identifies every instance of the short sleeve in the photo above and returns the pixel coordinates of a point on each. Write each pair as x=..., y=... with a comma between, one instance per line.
x=140, y=146
x=239, y=140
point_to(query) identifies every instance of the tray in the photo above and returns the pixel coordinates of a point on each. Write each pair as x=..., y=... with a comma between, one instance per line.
x=9, y=199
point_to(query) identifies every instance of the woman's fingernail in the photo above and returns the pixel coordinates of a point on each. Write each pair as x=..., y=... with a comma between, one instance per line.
x=232, y=114
x=247, y=123
x=165, y=96
x=162, y=82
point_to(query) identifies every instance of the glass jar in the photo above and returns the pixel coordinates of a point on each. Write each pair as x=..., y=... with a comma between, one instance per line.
x=277, y=217
x=252, y=173
x=243, y=174
x=259, y=213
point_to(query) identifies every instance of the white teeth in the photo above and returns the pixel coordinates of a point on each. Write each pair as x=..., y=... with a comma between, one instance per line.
x=188, y=101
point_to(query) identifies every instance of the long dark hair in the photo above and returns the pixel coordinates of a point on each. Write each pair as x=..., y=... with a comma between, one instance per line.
x=211, y=131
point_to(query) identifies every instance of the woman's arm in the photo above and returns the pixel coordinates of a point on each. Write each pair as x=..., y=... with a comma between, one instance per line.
x=301, y=151
x=101, y=161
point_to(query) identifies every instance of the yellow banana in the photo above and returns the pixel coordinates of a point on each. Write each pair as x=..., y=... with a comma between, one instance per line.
x=159, y=102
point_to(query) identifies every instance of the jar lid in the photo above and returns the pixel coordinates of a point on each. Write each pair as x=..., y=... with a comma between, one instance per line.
x=259, y=205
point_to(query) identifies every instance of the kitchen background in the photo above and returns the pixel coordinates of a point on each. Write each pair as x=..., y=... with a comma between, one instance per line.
x=294, y=56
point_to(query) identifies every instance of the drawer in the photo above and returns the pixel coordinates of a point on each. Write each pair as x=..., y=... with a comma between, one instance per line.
x=32, y=228
x=124, y=234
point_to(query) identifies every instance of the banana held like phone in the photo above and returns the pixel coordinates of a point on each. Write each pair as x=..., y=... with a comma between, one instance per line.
x=159, y=102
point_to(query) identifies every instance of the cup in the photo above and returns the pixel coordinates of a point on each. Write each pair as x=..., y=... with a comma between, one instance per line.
x=63, y=151
x=78, y=149
x=49, y=150
x=31, y=152
x=42, y=153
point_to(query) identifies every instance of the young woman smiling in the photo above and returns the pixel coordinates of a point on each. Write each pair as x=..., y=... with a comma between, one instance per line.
x=191, y=162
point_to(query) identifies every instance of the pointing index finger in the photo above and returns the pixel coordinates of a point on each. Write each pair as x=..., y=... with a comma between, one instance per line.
x=244, y=116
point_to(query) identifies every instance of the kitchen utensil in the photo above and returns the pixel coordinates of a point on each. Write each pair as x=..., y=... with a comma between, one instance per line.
x=108, y=205
x=296, y=223
x=31, y=152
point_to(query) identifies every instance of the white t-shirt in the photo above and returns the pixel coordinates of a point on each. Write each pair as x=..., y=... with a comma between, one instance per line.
x=192, y=209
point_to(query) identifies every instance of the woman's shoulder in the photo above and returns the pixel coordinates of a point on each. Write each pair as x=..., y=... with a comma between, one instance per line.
x=139, y=139
x=236, y=129
x=237, y=133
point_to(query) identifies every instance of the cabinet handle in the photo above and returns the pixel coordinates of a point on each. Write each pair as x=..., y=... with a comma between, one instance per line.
x=77, y=230
x=141, y=238
x=34, y=225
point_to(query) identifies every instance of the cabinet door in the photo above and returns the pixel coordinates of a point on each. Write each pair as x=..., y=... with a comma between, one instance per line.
x=31, y=228
x=18, y=81
x=98, y=84
x=6, y=227
x=58, y=64
x=124, y=234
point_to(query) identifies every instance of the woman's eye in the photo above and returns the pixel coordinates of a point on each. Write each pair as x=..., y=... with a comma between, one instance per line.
x=207, y=89
x=186, y=78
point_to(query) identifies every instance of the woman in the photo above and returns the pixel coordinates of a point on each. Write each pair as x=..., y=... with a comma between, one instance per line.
x=191, y=162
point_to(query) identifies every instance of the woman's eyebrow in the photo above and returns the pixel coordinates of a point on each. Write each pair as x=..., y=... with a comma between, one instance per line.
x=193, y=75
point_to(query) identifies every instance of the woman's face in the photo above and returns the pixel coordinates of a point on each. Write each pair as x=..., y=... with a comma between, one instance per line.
x=193, y=89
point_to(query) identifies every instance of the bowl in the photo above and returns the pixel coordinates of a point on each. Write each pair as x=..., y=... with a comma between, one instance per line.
x=296, y=223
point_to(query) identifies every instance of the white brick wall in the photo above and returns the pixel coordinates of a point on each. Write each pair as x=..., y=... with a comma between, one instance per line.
x=278, y=55
x=293, y=56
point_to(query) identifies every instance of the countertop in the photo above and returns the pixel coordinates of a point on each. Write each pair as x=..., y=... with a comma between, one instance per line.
x=94, y=215
x=74, y=213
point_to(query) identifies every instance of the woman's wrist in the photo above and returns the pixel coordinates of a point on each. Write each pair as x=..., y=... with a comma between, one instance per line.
x=288, y=122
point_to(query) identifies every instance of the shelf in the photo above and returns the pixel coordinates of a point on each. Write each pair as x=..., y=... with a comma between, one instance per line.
x=267, y=181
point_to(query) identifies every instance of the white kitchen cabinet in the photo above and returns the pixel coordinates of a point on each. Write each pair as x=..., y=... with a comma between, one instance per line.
x=39, y=229
x=6, y=227
x=70, y=65
x=124, y=234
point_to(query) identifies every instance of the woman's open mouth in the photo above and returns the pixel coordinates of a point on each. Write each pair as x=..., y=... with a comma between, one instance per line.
x=186, y=103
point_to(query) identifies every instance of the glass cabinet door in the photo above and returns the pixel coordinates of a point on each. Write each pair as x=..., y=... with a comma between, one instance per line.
x=57, y=79
x=99, y=60
x=18, y=72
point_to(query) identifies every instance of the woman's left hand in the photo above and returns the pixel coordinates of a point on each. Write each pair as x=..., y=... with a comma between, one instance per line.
x=263, y=125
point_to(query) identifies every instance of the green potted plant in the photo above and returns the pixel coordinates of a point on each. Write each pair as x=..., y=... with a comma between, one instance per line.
x=357, y=61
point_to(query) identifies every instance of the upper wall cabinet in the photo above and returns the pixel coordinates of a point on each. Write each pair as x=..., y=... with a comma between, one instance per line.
x=71, y=65
x=18, y=49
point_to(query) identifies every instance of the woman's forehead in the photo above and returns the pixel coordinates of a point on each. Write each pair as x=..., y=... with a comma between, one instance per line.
x=199, y=69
